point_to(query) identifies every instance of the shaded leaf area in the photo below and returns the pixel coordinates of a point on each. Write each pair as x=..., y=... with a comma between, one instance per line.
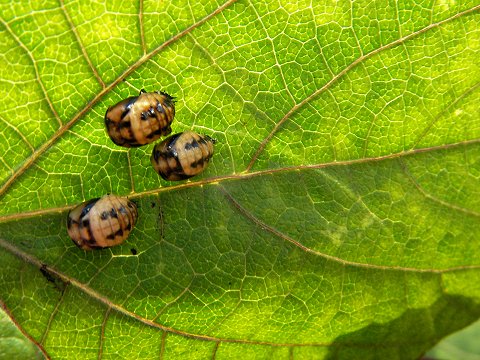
x=338, y=218
x=208, y=263
x=13, y=343
x=462, y=344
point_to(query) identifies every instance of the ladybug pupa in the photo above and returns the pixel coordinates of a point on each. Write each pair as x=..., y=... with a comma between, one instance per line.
x=182, y=155
x=140, y=120
x=102, y=222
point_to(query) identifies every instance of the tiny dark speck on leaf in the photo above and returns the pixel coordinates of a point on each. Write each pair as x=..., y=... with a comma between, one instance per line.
x=47, y=274
x=152, y=205
x=133, y=251
x=58, y=283
x=26, y=244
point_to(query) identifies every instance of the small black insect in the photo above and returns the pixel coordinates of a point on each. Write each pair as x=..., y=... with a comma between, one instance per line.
x=46, y=273
x=59, y=284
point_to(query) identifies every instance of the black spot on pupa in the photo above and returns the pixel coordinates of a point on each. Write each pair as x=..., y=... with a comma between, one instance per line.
x=104, y=215
x=85, y=241
x=207, y=138
x=111, y=236
x=178, y=168
x=124, y=124
x=200, y=161
x=173, y=140
x=144, y=115
x=86, y=223
x=95, y=246
x=88, y=206
x=119, y=142
x=151, y=135
x=189, y=146
x=113, y=213
x=90, y=235
x=125, y=113
x=166, y=173
x=169, y=98
x=156, y=155
x=130, y=101
x=122, y=210
x=182, y=176
x=160, y=108
x=119, y=232
x=158, y=131
x=202, y=141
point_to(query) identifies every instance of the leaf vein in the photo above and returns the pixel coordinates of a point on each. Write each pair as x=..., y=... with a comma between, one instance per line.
x=245, y=176
x=53, y=314
x=162, y=344
x=142, y=27
x=342, y=73
x=105, y=301
x=23, y=331
x=102, y=332
x=37, y=73
x=19, y=133
x=42, y=149
x=215, y=349
x=427, y=195
x=274, y=53
x=308, y=250
x=80, y=44
x=444, y=111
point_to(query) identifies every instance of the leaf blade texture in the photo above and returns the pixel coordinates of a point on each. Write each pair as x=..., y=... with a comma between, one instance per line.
x=338, y=217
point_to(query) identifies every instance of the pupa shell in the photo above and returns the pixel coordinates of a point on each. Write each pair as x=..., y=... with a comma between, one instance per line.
x=140, y=120
x=182, y=155
x=101, y=222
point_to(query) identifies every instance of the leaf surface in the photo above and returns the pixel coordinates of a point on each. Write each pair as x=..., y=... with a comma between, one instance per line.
x=338, y=218
x=13, y=343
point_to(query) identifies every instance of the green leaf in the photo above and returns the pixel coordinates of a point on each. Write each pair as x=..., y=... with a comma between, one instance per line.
x=461, y=345
x=338, y=218
x=13, y=343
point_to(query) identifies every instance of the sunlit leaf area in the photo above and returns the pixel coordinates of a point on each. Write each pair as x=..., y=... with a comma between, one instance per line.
x=338, y=218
